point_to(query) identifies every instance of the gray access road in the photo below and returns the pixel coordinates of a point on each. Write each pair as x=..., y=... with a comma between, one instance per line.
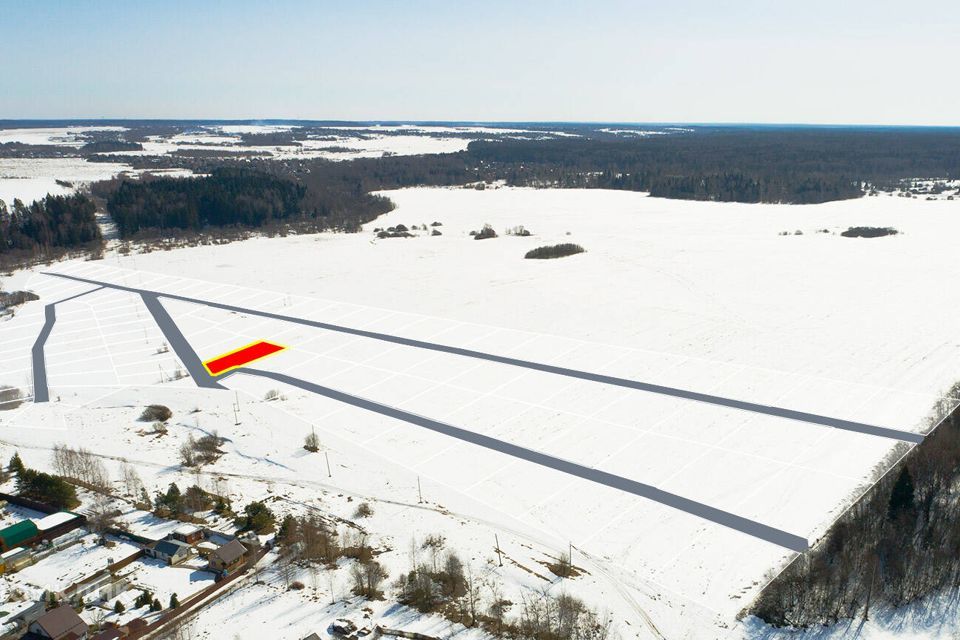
x=686, y=394
x=179, y=343
x=718, y=516
x=41, y=392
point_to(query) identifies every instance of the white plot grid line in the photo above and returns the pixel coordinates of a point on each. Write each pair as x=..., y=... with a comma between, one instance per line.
x=120, y=272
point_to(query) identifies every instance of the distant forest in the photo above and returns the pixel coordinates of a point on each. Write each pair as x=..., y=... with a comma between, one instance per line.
x=47, y=228
x=797, y=165
x=231, y=196
x=788, y=165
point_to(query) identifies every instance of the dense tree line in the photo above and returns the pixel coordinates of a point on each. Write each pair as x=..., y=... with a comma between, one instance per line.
x=110, y=146
x=739, y=164
x=47, y=227
x=900, y=542
x=226, y=197
x=742, y=164
x=240, y=196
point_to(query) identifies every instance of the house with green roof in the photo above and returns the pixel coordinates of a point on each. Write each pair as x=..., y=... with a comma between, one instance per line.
x=18, y=534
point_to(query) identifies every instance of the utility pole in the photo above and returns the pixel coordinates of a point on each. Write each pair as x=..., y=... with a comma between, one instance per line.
x=327, y=456
x=499, y=557
x=419, y=490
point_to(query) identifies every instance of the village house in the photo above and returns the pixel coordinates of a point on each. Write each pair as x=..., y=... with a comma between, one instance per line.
x=170, y=551
x=61, y=623
x=228, y=557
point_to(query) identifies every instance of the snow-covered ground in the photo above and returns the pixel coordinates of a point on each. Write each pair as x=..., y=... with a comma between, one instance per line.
x=701, y=296
x=30, y=179
x=60, y=136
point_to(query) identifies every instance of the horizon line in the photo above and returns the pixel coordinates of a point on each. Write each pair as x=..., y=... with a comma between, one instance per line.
x=502, y=123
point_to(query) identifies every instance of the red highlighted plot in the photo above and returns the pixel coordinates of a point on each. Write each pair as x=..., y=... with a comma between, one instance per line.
x=239, y=357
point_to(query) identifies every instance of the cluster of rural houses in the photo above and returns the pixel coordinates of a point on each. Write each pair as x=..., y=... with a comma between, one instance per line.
x=56, y=616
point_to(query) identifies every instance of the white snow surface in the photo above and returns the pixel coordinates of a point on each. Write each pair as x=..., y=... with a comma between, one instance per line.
x=702, y=296
x=62, y=136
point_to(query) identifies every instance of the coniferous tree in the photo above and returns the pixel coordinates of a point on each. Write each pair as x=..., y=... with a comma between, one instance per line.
x=901, y=497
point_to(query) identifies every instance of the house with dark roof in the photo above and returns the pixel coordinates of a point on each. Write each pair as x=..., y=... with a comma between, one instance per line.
x=170, y=551
x=61, y=623
x=228, y=557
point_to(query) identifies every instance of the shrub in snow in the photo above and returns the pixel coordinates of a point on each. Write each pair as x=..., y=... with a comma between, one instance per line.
x=554, y=251
x=483, y=234
x=156, y=413
x=312, y=442
x=869, y=232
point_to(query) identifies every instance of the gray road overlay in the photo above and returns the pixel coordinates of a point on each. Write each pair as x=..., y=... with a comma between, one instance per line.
x=696, y=396
x=718, y=516
x=733, y=521
x=41, y=392
x=179, y=343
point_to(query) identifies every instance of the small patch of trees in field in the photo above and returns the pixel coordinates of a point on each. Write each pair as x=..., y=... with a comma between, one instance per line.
x=898, y=543
x=554, y=251
x=309, y=540
x=82, y=467
x=519, y=230
x=203, y=450
x=438, y=581
x=43, y=487
x=869, y=232
x=486, y=232
x=176, y=503
x=110, y=146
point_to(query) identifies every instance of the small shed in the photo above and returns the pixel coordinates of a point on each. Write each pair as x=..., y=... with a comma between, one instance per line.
x=15, y=559
x=188, y=533
x=57, y=524
x=21, y=533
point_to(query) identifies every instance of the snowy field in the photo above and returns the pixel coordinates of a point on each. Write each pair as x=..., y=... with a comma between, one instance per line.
x=31, y=179
x=699, y=296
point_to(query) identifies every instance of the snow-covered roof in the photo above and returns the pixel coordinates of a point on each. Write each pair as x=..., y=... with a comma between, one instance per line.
x=186, y=530
x=13, y=552
x=54, y=520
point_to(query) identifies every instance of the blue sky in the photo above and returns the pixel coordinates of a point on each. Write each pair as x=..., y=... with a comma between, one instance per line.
x=667, y=61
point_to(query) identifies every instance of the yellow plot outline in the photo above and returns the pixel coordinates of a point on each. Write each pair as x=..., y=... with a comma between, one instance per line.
x=206, y=363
